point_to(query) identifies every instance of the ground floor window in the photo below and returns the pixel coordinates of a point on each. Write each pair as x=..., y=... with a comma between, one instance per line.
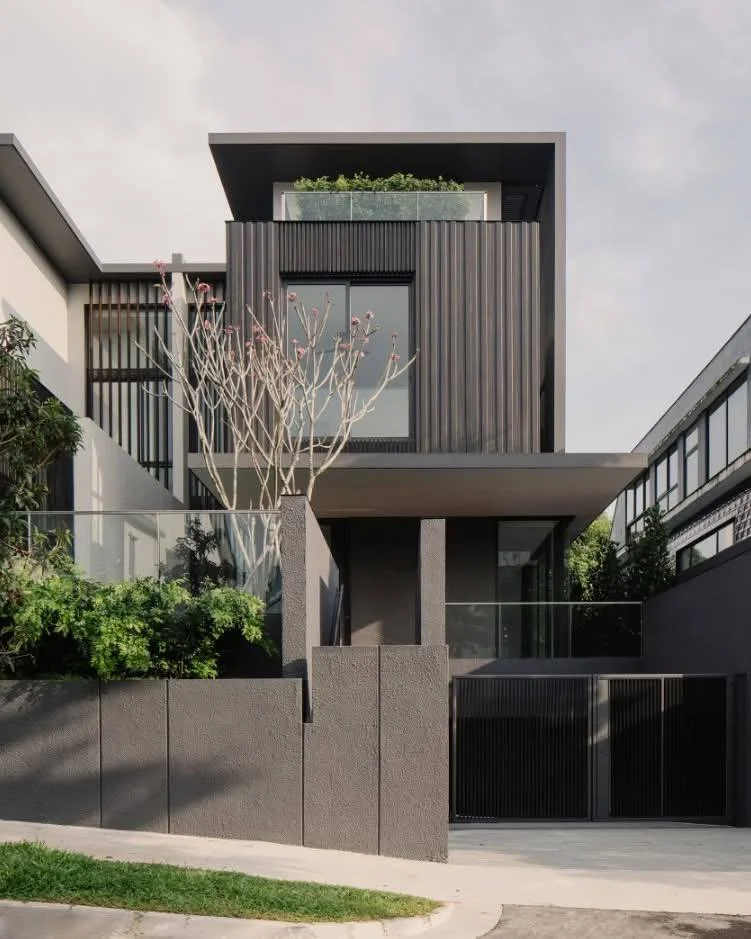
x=705, y=547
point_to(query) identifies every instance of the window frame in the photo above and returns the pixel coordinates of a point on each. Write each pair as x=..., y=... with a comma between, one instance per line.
x=686, y=550
x=722, y=403
x=663, y=496
x=635, y=523
x=392, y=441
x=695, y=449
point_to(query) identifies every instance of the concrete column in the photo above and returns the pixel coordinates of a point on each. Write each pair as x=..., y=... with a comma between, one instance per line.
x=432, y=609
x=310, y=582
x=179, y=417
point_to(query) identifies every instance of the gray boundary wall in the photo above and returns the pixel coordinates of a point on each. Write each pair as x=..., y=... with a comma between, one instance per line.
x=233, y=758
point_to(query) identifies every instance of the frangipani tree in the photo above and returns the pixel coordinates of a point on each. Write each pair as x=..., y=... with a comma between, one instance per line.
x=273, y=391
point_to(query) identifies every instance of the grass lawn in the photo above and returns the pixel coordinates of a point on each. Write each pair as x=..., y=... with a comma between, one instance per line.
x=32, y=871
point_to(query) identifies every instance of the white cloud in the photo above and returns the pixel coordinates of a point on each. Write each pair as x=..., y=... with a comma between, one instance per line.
x=114, y=100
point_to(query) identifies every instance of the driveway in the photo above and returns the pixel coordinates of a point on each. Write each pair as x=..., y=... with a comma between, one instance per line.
x=586, y=869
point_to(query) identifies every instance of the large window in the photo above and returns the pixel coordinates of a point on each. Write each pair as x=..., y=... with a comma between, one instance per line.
x=691, y=461
x=637, y=502
x=390, y=304
x=706, y=547
x=666, y=480
x=727, y=436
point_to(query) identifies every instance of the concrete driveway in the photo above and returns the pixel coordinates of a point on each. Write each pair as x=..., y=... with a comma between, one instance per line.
x=654, y=868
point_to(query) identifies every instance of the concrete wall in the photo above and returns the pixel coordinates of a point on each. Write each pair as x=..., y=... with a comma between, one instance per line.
x=225, y=758
x=31, y=289
x=702, y=623
x=432, y=584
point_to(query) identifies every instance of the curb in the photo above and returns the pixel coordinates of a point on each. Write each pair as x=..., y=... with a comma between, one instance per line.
x=51, y=919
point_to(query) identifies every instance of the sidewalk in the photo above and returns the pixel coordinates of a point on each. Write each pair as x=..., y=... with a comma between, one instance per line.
x=474, y=897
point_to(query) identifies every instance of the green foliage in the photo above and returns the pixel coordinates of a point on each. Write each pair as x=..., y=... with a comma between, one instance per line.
x=193, y=560
x=585, y=555
x=360, y=182
x=131, y=629
x=648, y=565
x=35, y=430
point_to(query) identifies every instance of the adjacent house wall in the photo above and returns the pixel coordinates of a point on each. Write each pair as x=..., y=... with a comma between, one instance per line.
x=702, y=623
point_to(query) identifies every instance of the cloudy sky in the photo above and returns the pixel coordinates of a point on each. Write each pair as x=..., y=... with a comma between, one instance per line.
x=114, y=99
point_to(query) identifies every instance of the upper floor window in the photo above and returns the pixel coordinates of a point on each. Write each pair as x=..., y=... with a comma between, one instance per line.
x=390, y=304
x=691, y=461
x=666, y=480
x=705, y=547
x=637, y=502
x=727, y=430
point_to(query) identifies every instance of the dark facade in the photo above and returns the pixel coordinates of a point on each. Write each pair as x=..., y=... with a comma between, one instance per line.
x=480, y=303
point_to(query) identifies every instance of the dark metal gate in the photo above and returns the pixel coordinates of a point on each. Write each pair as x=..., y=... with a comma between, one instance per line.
x=586, y=747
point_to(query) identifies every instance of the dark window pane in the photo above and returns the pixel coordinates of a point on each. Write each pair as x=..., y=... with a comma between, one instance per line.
x=737, y=423
x=673, y=498
x=639, y=499
x=661, y=477
x=683, y=559
x=692, y=472
x=717, y=458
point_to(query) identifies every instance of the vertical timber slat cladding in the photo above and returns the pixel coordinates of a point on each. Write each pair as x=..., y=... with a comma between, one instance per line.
x=478, y=329
x=346, y=247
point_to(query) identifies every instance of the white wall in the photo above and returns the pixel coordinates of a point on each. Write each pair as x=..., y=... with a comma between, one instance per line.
x=113, y=547
x=30, y=288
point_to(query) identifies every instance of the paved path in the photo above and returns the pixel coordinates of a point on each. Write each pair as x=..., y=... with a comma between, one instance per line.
x=675, y=868
x=523, y=922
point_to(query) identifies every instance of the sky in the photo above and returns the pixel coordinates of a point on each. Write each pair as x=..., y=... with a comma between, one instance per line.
x=114, y=100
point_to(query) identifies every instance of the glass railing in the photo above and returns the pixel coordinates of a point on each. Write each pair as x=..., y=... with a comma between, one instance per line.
x=384, y=206
x=543, y=630
x=240, y=549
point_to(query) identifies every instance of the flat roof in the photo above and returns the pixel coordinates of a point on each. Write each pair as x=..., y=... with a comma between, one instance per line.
x=445, y=485
x=249, y=164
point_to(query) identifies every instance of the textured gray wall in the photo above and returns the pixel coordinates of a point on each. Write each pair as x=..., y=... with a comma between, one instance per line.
x=432, y=581
x=414, y=715
x=134, y=755
x=702, y=624
x=478, y=373
x=49, y=751
x=342, y=751
x=310, y=580
x=235, y=759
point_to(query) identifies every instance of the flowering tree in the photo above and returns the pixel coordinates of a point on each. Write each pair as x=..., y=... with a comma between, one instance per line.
x=275, y=391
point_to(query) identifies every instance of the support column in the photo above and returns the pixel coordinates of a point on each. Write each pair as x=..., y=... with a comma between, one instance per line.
x=180, y=488
x=432, y=573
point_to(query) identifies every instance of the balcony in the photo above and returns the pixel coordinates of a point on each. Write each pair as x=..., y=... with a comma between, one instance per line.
x=544, y=630
x=384, y=206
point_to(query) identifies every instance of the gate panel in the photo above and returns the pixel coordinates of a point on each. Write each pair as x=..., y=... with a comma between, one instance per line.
x=521, y=747
x=695, y=742
x=635, y=747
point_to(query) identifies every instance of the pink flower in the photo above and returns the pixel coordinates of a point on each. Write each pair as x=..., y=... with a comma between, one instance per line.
x=294, y=342
x=166, y=299
x=394, y=335
x=206, y=324
x=394, y=357
x=202, y=288
x=292, y=296
x=345, y=345
x=267, y=295
x=161, y=266
x=369, y=315
x=300, y=352
x=249, y=344
x=355, y=320
x=213, y=301
x=365, y=339
x=314, y=311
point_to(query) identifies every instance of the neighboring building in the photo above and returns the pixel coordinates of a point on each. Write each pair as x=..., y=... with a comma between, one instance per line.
x=699, y=469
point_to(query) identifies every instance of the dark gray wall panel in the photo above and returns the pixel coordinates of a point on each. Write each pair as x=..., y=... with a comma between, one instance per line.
x=49, y=752
x=341, y=751
x=134, y=755
x=235, y=760
x=593, y=666
x=478, y=334
x=471, y=560
x=347, y=247
x=702, y=624
x=383, y=579
x=414, y=714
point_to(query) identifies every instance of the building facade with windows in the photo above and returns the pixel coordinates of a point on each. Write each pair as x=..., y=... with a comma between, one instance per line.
x=474, y=283
x=699, y=469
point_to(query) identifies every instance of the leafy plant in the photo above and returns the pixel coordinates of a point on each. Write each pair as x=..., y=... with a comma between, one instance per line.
x=132, y=629
x=193, y=560
x=648, y=564
x=360, y=182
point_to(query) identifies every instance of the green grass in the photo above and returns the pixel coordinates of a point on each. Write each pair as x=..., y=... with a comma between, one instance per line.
x=32, y=871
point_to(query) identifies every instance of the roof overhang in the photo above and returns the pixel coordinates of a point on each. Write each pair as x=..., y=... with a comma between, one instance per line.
x=249, y=164
x=578, y=486
x=26, y=193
